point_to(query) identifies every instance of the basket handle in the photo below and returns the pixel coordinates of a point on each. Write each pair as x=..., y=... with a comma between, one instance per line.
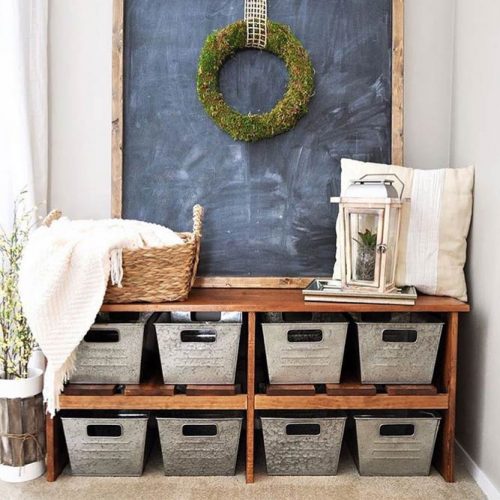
x=303, y=429
x=305, y=335
x=400, y=335
x=198, y=336
x=397, y=430
x=51, y=217
x=197, y=220
x=197, y=225
x=200, y=430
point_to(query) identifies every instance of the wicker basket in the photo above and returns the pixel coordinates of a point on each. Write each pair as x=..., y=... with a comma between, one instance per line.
x=163, y=274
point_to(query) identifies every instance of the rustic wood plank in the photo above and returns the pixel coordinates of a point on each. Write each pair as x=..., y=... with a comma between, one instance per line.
x=29, y=425
x=256, y=282
x=351, y=388
x=52, y=449
x=90, y=389
x=397, y=157
x=5, y=449
x=57, y=454
x=14, y=408
x=250, y=437
x=40, y=426
x=325, y=402
x=149, y=390
x=177, y=402
x=290, y=390
x=269, y=300
x=445, y=456
x=409, y=390
x=212, y=390
x=117, y=110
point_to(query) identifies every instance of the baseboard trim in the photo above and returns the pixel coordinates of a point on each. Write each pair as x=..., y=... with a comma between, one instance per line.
x=477, y=474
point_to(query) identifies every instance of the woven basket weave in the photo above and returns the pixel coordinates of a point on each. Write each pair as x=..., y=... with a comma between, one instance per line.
x=156, y=274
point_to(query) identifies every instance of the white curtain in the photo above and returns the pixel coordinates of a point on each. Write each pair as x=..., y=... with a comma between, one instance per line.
x=23, y=104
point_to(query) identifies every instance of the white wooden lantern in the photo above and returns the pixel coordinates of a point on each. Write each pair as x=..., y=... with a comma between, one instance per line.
x=370, y=214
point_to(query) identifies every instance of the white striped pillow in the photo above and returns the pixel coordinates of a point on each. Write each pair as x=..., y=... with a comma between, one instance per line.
x=434, y=225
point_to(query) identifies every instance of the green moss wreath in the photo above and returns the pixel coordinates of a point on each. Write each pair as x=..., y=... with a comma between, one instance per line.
x=253, y=127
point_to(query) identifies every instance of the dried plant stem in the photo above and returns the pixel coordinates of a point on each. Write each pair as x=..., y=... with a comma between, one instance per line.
x=17, y=341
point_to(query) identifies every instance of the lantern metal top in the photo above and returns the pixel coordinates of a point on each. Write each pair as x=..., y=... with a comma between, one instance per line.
x=381, y=189
x=371, y=189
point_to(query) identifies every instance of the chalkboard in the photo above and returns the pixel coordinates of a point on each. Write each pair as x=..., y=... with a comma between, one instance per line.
x=267, y=203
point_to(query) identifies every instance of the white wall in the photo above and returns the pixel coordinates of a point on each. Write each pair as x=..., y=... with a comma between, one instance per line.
x=475, y=138
x=80, y=97
x=429, y=26
x=80, y=106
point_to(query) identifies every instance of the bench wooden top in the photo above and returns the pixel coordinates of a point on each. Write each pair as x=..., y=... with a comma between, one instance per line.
x=285, y=300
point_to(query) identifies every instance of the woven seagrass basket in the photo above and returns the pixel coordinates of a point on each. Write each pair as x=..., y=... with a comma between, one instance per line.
x=156, y=274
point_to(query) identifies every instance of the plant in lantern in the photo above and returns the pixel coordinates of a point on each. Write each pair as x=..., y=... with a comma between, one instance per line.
x=22, y=439
x=366, y=255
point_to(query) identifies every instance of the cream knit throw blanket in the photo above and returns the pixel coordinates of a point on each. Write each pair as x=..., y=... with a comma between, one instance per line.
x=63, y=279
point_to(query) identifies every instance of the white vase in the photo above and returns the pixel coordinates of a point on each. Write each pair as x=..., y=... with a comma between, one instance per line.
x=22, y=388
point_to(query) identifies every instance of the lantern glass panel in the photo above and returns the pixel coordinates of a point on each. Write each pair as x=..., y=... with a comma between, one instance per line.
x=364, y=237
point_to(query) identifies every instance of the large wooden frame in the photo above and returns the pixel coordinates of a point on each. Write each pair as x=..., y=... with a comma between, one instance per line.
x=117, y=138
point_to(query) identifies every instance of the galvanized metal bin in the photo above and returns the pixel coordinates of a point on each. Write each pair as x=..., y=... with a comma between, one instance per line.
x=400, y=351
x=202, y=446
x=307, y=446
x=112, y=445
x=304, y=352
x=203, y=352
x=110, y=353
x=395, y=445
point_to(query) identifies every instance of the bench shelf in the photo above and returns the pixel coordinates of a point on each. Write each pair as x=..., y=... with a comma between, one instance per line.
x=176, y=402
x=251, y=302
x=376, y=402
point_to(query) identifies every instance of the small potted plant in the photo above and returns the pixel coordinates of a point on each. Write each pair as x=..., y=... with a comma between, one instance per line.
x=22, y=422
x=365, y=259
